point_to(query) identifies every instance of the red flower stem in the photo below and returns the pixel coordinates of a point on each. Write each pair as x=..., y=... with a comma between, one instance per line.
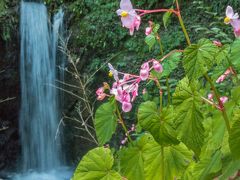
x=143, y=12
x=169, y=54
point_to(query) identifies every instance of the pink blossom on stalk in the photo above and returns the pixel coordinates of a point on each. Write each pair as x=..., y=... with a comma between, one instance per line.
x=157, y=66
x=129, y=17
x=148, y=31
x=217, y=43
x=210, y=96
x=224, y=99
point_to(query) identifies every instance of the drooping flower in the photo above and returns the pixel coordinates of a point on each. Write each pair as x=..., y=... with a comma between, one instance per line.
x=129, y=17
x=144, y=72
x=100, y=94
x=126, y=106
x=224, y=99
x=157, y=66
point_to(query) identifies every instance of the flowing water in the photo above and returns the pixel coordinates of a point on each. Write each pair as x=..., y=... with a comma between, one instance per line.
x=39, y=116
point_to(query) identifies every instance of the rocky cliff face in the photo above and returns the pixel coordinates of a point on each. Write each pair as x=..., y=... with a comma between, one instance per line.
x=9, y=101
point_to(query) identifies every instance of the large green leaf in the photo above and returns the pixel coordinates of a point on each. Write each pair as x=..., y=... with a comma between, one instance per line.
x=131, y=160
x=158, y=124
x=230, y=170
x=235, y=54
x=105, y=122
x=208, y=167
x=171, y=63
x=199, y=58
x=222, y=54
x=189, y=117
x=96, y=165
x=176, y=159
x=234, y=136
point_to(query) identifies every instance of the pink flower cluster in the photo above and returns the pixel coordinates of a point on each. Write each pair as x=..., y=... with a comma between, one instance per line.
x=125, y=89
x=233, y=19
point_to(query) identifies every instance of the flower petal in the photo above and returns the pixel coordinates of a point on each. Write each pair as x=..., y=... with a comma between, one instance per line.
x=119, y=12
x=126, y=5
x=229, y=12
x=127, y=21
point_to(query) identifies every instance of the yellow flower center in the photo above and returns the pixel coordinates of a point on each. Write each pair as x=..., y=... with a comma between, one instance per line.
x=227, y=20
x=110, y=74
x=124, y=14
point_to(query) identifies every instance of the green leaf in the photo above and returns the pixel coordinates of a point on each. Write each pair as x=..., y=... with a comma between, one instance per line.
x=96, y=165
x=171, y=63
x=150, y=40
x=222, y=53
x=208, y=167
x=156, y=28
x=160, y=125
x=199, y=58
x=176, y=159
x=230, y=170
x=234, y=136
x=131, y=160
x=189, y=117
x=166, y=18
x=235, y=54
x=235, y=94
x=105, y=122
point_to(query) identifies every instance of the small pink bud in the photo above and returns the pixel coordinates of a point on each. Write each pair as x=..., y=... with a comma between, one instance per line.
x=217, y=43
x=123, y=141
x=157, y=66
x=100, y=91
x=144, y=74
x=101, y=96
x=210, y=96
x=144, y=91
x=148, y=31
x=126, y=106
x=224, y=99
x=145, y=66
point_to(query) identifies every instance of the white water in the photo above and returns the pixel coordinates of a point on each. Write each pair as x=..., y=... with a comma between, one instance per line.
x=39, y=115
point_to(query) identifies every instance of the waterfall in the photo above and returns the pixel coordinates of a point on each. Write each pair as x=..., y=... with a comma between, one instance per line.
x=39, y=109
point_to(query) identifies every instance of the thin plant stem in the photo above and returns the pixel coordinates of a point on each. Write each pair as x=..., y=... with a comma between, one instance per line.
x=222, y=108
x=163, y=168
x=168, y=91
x=122, y=123
x=182, y=24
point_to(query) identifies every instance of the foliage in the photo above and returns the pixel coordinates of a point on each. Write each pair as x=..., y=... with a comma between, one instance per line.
x=191, y=132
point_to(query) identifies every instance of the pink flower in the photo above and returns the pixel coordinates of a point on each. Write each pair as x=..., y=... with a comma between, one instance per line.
x=124, y=141
x=100, y=91
x=230, y=15
x=210, y=96
x=144, y=74
x=224, y=99
x=126, y=106
x=100, y=94
x=148, y=31
x=232, y=18
x=129, y=17
x=157, y=66
x=217, y=43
